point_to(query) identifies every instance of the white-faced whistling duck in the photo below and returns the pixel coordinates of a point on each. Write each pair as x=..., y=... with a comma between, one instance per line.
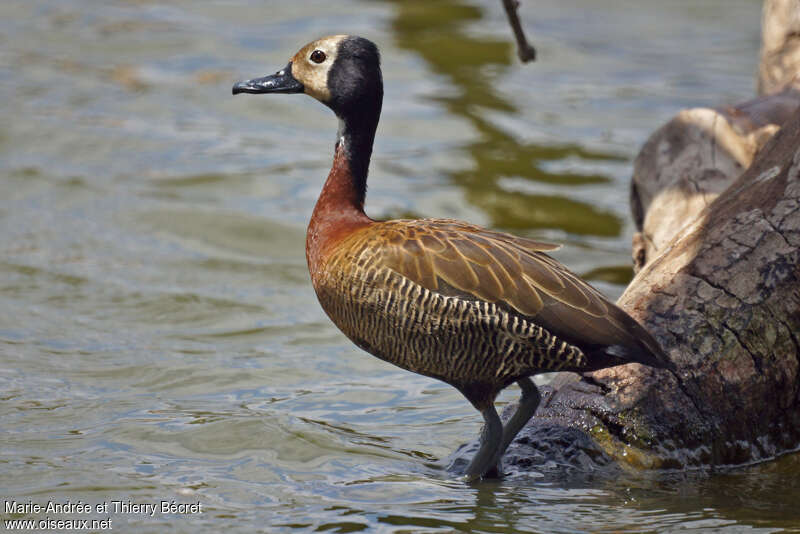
x=475, y=308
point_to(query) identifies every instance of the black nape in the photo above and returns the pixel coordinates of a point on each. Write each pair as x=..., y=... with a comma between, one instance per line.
x=356, y=88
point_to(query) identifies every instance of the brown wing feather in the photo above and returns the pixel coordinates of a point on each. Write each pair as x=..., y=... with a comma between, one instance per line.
x=452, y=257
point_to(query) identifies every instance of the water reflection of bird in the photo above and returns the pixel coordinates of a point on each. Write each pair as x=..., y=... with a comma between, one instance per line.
x=477, y=309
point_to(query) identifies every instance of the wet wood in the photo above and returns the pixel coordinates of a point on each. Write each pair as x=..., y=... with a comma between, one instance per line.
x=723, y=299
x=717, y=197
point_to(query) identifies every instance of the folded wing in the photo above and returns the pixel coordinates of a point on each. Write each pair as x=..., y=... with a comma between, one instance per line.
x=458, y=259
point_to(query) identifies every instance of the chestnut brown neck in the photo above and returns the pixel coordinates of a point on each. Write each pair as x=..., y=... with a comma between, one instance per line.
x=339, y=210
x=340, y=207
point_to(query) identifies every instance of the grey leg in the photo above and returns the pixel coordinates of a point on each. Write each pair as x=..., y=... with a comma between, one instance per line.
x=491, y=440
x=525, y=410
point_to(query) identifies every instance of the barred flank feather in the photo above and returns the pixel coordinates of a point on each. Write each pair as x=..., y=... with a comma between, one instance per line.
x=408, y=292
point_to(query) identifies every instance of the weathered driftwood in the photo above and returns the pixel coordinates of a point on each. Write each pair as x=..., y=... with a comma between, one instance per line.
x=723, y=299
x=689, y=161
x=693, y=158
x=719, y=287
x=780, y=47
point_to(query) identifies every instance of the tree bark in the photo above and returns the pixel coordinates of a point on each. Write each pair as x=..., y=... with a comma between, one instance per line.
x=719, y=288
x=724, y=302
x=780, y=47
x=696, y=156
x=693, y=158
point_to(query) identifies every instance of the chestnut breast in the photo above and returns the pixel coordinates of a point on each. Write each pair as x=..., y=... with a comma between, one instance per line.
x=382, y=285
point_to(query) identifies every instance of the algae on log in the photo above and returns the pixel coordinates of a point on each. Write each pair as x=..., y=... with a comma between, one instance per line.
x=723, y=299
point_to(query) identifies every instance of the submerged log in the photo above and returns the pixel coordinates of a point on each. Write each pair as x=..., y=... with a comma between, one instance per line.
x=718, y=286
x=723, y=299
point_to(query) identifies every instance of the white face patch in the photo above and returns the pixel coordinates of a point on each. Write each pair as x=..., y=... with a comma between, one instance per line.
x=312, y=74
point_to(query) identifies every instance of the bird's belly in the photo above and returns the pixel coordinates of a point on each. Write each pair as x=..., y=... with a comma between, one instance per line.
x=453, y=339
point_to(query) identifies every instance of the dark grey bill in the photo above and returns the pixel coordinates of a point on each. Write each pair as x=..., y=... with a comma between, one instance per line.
x=280, y=82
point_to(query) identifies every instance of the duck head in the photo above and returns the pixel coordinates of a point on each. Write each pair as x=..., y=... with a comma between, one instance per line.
x=341, y=71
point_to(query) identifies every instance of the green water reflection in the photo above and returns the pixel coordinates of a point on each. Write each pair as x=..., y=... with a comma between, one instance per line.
x=159, y=337
x=472, y=65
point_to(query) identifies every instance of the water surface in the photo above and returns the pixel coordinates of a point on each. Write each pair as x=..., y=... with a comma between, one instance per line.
x=159, y=338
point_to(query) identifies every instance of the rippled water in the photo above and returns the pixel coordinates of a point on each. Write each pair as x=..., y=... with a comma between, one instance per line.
x=159, y=338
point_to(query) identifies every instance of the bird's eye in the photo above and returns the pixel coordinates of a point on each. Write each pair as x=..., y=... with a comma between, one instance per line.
x=318, y=56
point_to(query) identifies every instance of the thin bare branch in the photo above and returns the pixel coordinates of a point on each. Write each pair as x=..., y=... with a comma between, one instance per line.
x=525, y=51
